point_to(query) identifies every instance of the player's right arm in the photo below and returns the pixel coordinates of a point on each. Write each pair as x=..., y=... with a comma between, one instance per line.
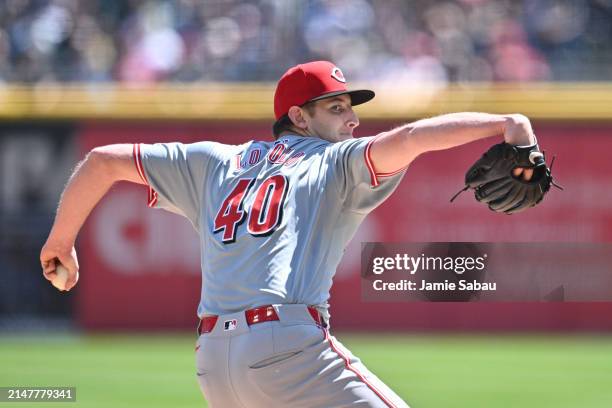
x=90, y=181
x=398, y=147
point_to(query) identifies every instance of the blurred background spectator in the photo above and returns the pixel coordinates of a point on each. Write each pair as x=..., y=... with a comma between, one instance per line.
x=231, y=40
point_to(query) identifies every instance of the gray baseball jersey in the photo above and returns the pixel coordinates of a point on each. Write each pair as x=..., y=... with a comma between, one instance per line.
x=273, y=218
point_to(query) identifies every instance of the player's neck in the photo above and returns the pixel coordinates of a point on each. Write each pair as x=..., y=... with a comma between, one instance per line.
x=295, y=132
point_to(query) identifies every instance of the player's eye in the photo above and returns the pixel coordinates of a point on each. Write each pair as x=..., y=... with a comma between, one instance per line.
x=337, y=109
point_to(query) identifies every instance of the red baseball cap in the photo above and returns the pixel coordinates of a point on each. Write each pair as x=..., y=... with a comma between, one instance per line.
x=311, y=82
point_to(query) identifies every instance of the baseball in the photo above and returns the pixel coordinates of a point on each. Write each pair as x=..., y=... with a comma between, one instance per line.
x=61, y=276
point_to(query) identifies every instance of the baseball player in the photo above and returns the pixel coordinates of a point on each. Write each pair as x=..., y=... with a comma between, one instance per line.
x=273, y=218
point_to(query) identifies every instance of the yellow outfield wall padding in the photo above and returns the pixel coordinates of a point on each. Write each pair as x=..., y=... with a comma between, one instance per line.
x=253, y=101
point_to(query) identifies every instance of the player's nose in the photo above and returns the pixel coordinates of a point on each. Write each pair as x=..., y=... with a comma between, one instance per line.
x=353, y=121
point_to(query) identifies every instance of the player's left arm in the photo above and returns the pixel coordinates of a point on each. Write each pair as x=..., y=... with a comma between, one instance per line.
x=398, y=147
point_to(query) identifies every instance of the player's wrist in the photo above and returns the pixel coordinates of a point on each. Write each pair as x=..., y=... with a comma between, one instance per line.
x=61, y=240
x=518, y=131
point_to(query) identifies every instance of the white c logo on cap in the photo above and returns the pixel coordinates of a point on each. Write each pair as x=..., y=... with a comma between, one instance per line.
x=338, y=75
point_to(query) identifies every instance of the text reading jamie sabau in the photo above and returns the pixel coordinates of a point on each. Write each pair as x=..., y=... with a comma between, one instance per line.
x=423, y=266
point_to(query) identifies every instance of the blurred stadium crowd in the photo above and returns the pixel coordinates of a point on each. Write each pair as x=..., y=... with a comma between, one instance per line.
x=256, y=40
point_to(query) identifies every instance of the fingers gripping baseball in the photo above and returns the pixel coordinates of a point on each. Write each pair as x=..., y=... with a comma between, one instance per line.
x=522, y=172
x=55, y=254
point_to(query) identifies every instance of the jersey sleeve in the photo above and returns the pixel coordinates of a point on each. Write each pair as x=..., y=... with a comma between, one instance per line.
x=176, y=174
x=359, y=186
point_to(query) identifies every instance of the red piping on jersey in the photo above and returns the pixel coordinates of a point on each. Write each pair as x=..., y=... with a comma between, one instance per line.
x=152, y=196
x=136, y=156
x=393, y=173
x=348, y=365
x=373, y=179
x=373, y=174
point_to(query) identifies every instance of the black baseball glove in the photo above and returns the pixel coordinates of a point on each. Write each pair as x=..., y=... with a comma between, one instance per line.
x=494, y=184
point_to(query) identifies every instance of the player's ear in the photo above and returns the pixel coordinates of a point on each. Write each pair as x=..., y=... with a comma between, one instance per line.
x=296, y=114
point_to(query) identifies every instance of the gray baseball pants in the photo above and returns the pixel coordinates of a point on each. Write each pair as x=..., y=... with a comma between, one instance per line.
x=292, y=362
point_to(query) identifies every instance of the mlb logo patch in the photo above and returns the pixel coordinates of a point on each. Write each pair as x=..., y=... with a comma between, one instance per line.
x=230, y=324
